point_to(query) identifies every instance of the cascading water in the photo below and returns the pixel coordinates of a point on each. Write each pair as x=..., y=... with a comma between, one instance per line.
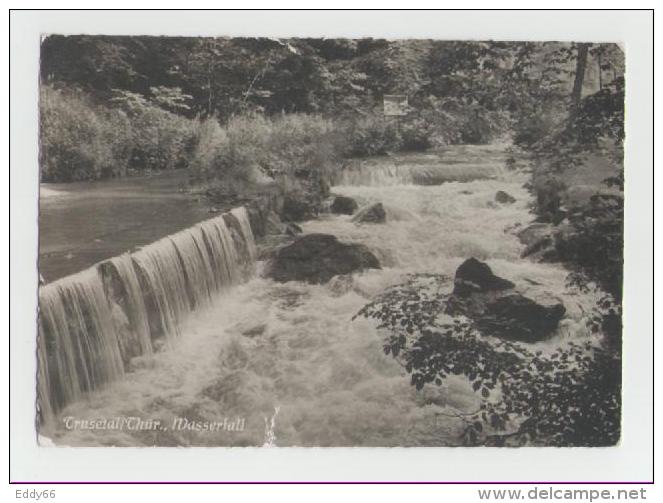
x=460, y=165
x=91, y=324
x=164, y=284
x=295, y=346
x=242, y=218
x=131, y=298
x=78, y=346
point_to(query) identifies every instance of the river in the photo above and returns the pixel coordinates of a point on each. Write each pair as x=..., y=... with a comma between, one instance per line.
x=286, y=365
x=84, y=222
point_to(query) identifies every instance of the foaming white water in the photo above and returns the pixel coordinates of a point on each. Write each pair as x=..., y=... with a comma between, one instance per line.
x=394, y=174
x=266, y=345
x=94, y=323
x=460, y=163
x=295, y=346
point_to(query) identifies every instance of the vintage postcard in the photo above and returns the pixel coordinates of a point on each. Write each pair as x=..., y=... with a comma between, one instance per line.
x=340, y=246
x=329, y=242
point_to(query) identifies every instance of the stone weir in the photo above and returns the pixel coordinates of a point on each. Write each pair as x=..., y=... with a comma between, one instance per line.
x=92, y=323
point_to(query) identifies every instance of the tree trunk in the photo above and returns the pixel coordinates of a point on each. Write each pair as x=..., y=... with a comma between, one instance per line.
x=581, y=65
x=209, y=95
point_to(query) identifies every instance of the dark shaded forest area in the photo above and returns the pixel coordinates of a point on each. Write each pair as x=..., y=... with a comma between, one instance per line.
x=118, y=105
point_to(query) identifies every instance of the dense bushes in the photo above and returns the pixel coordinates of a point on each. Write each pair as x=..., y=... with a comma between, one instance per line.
x=371, y=135
x=437, y=122
x=592, y=239
x=286, y=148
x=234, y=154
x=536, y=121
x=305, y=146
x=376, y=134
x=296, y=148
x=80, y=140
x=135, y=133
x=451, y=121
x=160, y=140
x=570, y=397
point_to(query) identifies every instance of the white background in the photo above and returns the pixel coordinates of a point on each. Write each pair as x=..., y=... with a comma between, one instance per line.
x=631, y=461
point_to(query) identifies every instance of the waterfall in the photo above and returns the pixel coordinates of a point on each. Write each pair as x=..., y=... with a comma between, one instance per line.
x=78, y=346
x=391, y=173
x=91, y=324
x=243, y=218
x=386, y=174
x=131, y=296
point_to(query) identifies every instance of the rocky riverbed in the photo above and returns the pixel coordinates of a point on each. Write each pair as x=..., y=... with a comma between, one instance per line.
x=286, y=340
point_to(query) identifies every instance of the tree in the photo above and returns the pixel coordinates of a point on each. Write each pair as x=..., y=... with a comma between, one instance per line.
x=97, y=64
x=609, y=60
x=571, y=397
x=581, y=65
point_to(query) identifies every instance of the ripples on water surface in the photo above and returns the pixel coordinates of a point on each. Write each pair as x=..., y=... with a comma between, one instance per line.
x=84, y=222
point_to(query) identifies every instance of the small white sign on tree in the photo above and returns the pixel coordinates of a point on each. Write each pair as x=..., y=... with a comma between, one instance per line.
x=395, y=104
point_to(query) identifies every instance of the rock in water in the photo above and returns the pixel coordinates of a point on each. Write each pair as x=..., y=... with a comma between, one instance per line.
x=497, y=309
x=504, y=198
x=297, y=207
x=273, y=226
x=343, y=205
x=372, y=214
x=292, y=229
x=476, y=276
x=539, y=239
x=519, y=318
x=535, y=231
x=317, y=258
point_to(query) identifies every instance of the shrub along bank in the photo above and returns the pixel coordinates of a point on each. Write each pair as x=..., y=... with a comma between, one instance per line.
x=130, y=134
x=578, y=184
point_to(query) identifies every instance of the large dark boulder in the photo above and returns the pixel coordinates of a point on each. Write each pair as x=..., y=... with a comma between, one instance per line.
x=343, y=205
x=504, y=197
x=520, y=318
x=371, y=214
x=316, y=258
x=476, y=276
x=497, y=309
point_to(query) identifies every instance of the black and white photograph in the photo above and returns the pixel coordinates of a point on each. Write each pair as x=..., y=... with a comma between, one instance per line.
x=329, y=242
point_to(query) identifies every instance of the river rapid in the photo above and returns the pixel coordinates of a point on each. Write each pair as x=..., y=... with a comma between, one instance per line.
x=284, y=364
